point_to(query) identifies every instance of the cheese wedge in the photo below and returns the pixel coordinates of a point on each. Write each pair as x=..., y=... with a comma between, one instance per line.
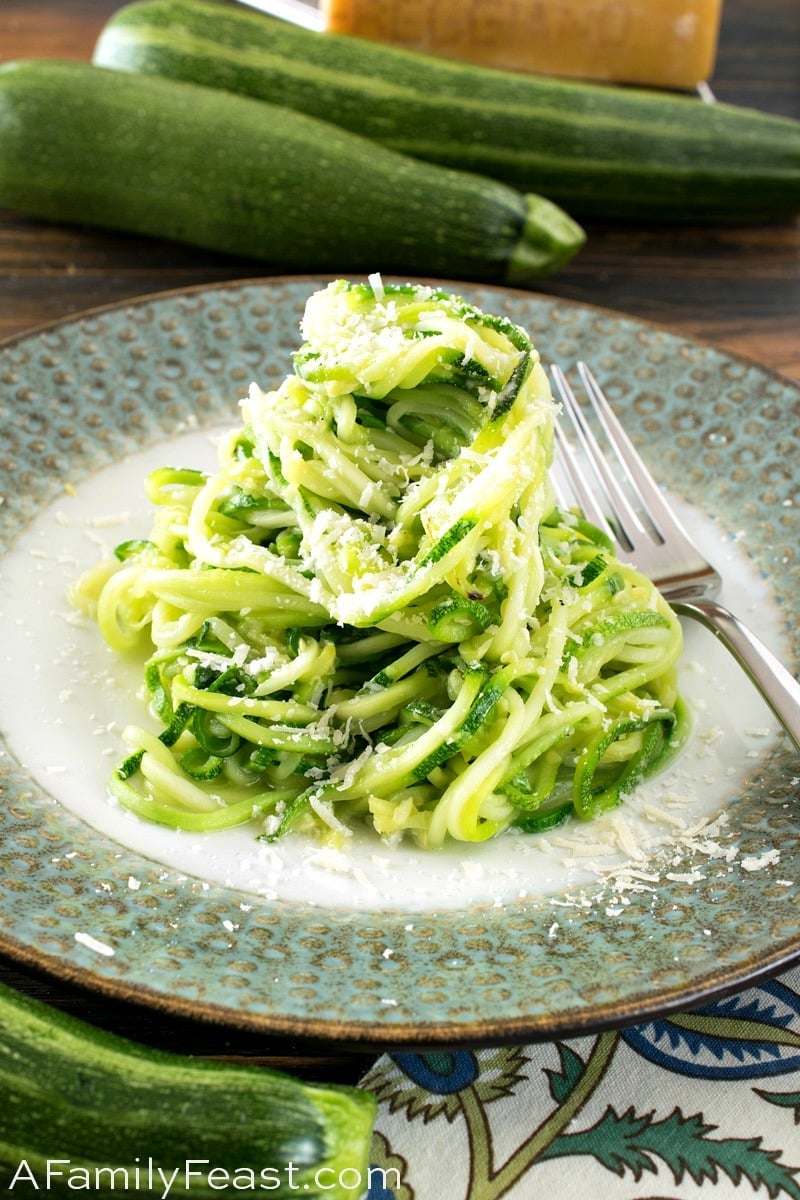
x=658, y=43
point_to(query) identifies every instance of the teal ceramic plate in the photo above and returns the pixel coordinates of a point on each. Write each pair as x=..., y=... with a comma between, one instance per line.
x=687, y=891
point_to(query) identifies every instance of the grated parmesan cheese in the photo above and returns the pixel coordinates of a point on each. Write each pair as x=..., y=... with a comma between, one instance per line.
x=92, y=943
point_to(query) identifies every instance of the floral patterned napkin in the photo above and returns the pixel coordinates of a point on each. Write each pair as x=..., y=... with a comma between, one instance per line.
x=704, y=1103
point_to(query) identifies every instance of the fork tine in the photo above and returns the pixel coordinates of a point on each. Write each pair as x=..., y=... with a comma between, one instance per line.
x=585, y=497
x=623, y=521
x=663, y=519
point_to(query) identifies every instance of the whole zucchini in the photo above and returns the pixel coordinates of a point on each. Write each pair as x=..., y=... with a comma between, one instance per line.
x=598, y=150
x=81, y=143
x=85, y=1110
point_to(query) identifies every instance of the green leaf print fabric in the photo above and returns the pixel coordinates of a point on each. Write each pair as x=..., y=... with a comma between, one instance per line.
x=698, y=1104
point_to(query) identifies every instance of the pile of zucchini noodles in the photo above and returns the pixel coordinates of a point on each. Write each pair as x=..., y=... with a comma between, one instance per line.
x=374, y=613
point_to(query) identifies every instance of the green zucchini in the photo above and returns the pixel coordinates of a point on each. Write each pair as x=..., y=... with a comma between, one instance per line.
x=598, y=150
x=106, y=1114
x=81, y=143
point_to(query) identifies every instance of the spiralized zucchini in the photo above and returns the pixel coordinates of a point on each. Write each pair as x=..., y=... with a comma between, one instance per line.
x=373, y=612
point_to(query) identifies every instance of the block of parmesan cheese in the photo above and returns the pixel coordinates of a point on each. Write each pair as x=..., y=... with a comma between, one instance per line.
x=657, y=43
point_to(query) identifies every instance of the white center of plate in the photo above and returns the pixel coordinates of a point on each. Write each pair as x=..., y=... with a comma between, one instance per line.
x=67, y=697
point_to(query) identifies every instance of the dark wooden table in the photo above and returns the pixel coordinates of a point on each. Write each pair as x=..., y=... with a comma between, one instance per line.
x=736, y=287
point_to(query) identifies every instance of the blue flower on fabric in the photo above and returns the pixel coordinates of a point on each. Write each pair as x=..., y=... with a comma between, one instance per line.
x=388, y=1173
x=430, y=1085
x=378, y=1188
x=750, y=1035
x=441, y=1073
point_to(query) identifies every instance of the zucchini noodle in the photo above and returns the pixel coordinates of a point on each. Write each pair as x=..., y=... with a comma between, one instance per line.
x=374, y=613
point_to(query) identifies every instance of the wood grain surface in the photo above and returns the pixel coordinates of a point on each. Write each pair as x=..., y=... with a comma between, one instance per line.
x=736, y=287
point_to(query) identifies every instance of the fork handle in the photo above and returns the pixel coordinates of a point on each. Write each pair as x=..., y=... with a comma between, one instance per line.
x=776, y=684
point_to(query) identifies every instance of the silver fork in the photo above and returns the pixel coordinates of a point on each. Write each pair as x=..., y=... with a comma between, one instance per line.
x=645, y=530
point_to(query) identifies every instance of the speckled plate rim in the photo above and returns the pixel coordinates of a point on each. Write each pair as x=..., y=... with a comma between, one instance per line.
x=493, y=976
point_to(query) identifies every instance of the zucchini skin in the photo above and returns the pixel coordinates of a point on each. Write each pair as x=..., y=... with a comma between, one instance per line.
x=77, y=1093
x=598, y=150
x=82, y=143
